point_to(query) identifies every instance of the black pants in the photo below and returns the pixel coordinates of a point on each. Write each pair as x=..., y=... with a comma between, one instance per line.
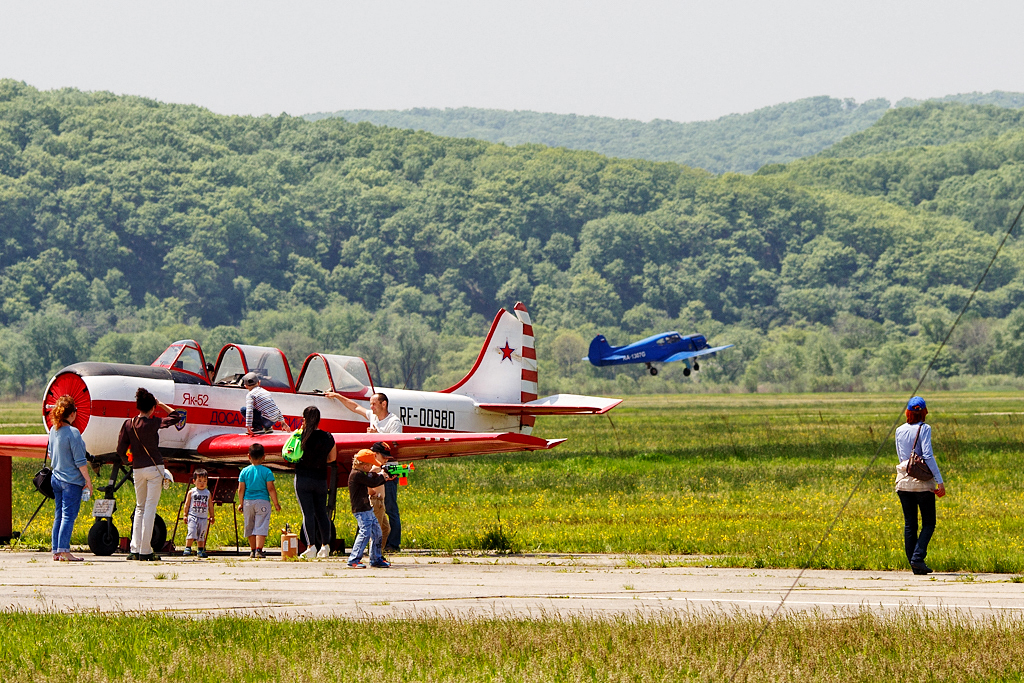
x=394, y=539
x=312, y=495
x=916, y=546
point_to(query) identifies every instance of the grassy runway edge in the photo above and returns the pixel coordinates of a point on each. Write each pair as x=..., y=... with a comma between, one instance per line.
x=744, y=480
x=844, y=646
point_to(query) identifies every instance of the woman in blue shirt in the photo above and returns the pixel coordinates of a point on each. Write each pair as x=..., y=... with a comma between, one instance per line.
x=916, y=436
x=70, y=475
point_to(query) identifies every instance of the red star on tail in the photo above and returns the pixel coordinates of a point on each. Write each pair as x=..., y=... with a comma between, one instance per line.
x=506, y=352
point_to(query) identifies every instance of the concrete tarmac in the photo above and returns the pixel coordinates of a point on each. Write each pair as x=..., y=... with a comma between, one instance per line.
x=521, y=585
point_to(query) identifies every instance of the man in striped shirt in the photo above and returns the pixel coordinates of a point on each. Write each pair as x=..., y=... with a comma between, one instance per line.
x=261, y=413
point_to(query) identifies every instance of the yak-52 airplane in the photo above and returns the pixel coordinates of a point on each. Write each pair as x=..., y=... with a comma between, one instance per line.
x=491, y=410
x=666, y=347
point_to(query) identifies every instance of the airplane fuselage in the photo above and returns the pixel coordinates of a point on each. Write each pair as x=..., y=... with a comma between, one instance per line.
x=215, y=410
x=654, y=349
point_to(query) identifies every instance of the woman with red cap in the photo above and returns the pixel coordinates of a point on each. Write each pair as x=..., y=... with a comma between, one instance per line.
x=917, y=494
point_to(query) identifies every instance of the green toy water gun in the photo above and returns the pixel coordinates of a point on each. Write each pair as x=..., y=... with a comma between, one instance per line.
x=400, y=470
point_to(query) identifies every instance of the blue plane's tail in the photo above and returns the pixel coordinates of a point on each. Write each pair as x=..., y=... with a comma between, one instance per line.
x=599, y=349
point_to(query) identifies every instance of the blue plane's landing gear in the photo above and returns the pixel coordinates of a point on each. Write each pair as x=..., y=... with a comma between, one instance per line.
x=696, y=366
x=686, y=372
x=652, y=370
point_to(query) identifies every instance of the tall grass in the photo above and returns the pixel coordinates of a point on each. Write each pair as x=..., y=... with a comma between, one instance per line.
x=668, y=646
x=750, y=480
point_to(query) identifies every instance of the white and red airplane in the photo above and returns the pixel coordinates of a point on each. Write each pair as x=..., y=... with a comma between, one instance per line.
x=491, y=410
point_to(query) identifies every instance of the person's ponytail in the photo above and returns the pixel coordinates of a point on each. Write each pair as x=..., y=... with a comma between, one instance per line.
x=312, y=417
x=65, y=406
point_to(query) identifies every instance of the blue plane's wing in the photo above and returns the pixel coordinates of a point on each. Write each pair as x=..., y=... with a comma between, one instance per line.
x=683, y=355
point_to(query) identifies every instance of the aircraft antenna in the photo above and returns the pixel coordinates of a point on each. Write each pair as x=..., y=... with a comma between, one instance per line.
x=878, y=451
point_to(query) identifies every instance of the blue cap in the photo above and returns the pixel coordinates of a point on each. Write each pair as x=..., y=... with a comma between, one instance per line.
x=916, y=403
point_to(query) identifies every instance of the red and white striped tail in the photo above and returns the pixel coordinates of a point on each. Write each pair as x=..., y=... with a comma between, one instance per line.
x=529, y=353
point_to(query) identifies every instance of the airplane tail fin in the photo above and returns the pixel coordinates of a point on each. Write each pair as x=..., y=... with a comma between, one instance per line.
x=599, y=348
x=506, y=368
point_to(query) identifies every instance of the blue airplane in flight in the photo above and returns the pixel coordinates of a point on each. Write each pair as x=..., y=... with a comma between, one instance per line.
x=666, y=347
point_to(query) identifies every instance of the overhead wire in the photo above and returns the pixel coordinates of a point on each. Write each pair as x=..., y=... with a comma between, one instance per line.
x=878, y=451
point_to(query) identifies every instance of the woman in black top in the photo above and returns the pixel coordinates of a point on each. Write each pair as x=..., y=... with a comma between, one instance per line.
x=318, y=453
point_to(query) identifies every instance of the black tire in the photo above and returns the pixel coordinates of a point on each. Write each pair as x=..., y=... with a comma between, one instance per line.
x=159, y=535
x=654, y=372
x=696, y=366
x=302, y=537
x=103, y=537
x=686, y=372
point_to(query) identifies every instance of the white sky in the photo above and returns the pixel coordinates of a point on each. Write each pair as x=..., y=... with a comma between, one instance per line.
x=679, y=60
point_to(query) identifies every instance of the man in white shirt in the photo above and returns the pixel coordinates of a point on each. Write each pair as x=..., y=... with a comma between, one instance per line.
x=382, y=421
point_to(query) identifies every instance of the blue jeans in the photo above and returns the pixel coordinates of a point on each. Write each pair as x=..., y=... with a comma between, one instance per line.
x=368, y=529
x=914, y=545
x=67, y=499
x=394, y=539
x=258, y=421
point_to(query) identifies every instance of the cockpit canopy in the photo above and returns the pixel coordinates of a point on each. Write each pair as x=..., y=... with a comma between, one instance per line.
x=347, y=375
x=184, y=356
x=268, y=363
x=322, y=372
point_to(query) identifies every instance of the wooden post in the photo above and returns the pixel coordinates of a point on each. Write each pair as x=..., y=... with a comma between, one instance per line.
x=6, y=501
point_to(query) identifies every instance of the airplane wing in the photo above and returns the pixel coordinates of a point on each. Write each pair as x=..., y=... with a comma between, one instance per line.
x=683, y=355
x=234, y=448
x=23, y=445
x=558, y=404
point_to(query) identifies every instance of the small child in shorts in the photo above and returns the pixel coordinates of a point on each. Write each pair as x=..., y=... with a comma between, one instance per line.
x=198, y=513
x=255, y=491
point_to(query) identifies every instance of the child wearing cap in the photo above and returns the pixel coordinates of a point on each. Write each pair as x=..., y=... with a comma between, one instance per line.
x=378, y=494
x=255, y=491
x=198, y=514
x=260, y=411
x=360, y=480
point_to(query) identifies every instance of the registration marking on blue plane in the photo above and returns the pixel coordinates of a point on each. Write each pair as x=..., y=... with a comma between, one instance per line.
x=667, y=347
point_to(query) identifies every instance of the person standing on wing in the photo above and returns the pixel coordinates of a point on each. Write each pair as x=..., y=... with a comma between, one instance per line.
x=382, y=421
x=261, y=413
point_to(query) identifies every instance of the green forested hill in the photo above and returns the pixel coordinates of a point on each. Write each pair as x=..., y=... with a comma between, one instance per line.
x=128, y=222
x=928, y=124
x=740, y=142
x=957, y=160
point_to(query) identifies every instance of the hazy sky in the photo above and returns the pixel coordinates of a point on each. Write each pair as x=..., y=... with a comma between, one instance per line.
x=681, y=60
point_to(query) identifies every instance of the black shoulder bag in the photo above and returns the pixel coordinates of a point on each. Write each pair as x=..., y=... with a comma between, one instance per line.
x=43, y=481
x=916, y=466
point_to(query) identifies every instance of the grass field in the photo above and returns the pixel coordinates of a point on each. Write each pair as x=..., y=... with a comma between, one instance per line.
x=665, y=647
x=751, y=480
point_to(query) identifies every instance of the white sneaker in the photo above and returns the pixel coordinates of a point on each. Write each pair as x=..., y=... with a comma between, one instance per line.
x=309, y=554
x=325, y=552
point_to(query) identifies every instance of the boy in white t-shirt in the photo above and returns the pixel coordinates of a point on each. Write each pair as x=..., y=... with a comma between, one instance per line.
x=198, y=513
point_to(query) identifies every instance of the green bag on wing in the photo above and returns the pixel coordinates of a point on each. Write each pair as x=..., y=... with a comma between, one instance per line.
x=292, y=451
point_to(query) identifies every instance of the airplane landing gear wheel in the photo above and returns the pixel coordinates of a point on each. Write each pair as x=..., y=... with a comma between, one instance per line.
x=696, y=366
x=159, y=536
x=302, y=537
x=686, y=372
x=103, y=537
x=654, y=372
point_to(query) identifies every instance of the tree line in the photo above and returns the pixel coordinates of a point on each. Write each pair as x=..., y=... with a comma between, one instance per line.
x=128, y=223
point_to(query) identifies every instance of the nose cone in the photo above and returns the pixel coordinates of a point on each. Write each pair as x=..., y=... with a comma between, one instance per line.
x=69, y=384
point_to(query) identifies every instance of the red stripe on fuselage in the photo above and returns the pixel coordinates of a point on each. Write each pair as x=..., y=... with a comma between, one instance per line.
x=529, y=352
x=530, y=375
x=221, y=418
x=528, y=330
